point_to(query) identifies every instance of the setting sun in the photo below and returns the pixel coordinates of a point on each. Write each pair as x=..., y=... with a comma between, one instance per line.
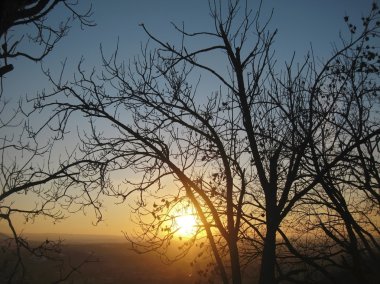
x=185, y=225
x=185, y=220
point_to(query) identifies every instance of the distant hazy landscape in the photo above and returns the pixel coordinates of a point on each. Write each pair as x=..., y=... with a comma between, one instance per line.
x=110, y=261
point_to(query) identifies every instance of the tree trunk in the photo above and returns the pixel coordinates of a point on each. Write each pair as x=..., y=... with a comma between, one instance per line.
x=267, y=271
x=235, y=263
x=268, y=261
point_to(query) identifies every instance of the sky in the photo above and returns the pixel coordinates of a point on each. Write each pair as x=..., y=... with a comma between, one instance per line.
x=300, y=23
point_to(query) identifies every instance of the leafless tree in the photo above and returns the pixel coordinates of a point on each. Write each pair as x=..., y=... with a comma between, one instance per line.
x=29, y=167
x=271, y=161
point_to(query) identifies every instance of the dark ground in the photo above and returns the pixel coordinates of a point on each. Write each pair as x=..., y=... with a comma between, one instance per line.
x=110, y=263
x=114, y=262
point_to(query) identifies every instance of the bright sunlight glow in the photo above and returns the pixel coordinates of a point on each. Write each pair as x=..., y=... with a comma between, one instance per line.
x=186, y=225
x=185, y=219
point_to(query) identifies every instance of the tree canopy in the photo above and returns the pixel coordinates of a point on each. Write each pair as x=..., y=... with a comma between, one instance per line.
x=281, y=165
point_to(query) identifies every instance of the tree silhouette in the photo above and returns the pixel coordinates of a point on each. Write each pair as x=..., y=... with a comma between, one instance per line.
x=27, y=166
x=281, y=166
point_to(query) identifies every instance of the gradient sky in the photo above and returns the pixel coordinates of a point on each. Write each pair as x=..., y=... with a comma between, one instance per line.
x=299, y=22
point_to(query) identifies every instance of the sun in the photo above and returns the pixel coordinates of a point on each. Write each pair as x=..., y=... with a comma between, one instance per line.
x=186, y=225
x=185, y=220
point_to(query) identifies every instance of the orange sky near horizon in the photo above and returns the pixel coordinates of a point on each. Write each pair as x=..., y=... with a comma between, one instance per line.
x=116, y=220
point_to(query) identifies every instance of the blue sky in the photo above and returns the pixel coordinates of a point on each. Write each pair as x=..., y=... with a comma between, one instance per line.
x=299, y=23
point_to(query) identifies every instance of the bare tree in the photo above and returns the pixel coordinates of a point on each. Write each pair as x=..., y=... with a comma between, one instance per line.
x=29, y=166
x=256, y=157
